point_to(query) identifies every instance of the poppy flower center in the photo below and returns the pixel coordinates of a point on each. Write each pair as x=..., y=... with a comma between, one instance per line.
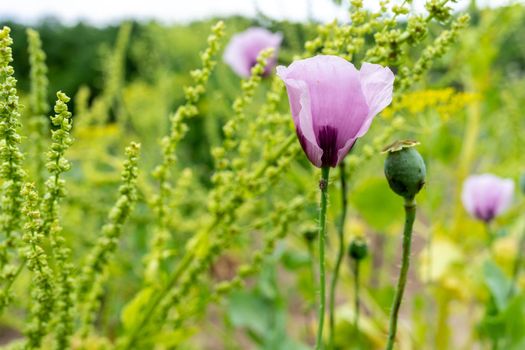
x=485, y=215
x=327, y=141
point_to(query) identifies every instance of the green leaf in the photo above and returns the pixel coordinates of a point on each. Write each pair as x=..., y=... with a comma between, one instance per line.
x=514, y=316
x=507, y=325
x=248, y=310
x=497, y=282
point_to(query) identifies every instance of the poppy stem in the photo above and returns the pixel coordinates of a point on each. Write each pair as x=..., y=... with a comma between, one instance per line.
x=340, y=252
x=490, y=234
x=410, y=215
x=311, y=305
x=312, y=265
x=323, y=185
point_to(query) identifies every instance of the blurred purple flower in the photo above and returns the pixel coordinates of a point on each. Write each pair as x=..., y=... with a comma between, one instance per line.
x=243, y=49
x=486, y=196
x=333, y=103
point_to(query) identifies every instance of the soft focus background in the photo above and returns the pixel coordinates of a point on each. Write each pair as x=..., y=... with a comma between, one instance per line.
x=103, y=12
x=124, y=64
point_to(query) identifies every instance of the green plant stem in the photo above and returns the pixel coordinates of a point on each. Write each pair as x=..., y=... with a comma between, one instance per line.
x=490, y=235
x=357, y=302
x=311, y=305
x=517, y=264
x=312, y=265
x=323, y=185
x=340, y=252
x=410, y=215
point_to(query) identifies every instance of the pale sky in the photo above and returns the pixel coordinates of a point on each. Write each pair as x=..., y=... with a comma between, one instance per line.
x=102, y=12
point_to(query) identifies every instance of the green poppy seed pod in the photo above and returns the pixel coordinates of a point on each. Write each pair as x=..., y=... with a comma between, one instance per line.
x=358, y=249
x=522, y=183
x=404, y=168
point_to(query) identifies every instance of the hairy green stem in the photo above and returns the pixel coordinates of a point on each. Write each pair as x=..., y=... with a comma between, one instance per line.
x=312, y=263
x=323, y=185
x=313, y=275
x=340, y=252
x=410, y=215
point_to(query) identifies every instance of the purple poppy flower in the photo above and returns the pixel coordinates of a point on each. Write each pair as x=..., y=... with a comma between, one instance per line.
x=486, y=196
x=333, y=103
x=243, y=49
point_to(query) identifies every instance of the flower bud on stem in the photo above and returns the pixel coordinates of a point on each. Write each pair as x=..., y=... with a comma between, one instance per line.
x=357, y=250
x=405, y=171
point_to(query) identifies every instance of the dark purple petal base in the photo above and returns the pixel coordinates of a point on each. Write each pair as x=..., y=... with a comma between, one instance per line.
x=327, y=141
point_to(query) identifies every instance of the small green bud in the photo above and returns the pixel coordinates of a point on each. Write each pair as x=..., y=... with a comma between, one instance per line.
x=310, y=234
x=358, y=249
x=404, y=168
x=522, y=183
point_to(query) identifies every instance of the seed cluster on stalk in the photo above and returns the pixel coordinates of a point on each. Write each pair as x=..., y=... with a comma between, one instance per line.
x=11, y=170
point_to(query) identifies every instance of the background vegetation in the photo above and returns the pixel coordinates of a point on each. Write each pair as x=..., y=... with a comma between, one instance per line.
x=126, y=82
